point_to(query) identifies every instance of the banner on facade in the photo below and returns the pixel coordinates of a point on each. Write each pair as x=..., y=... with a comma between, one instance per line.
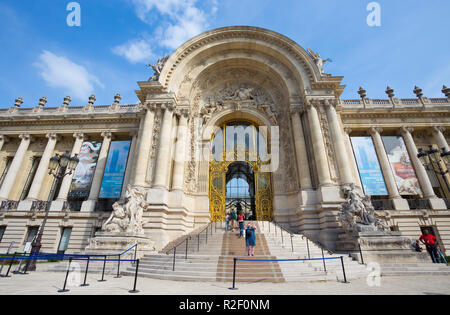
x=114, y=175
x=82, y=179
x=369, y=168
x=405, y=176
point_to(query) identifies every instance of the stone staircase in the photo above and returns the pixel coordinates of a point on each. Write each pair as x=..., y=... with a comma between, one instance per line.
x=210, y=258
x=215, y=259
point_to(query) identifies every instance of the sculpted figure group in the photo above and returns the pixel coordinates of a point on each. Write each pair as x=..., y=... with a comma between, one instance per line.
x=358, y=214
x=127, y=214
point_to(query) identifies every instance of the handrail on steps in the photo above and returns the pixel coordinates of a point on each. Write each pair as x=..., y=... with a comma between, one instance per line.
x=186, y=239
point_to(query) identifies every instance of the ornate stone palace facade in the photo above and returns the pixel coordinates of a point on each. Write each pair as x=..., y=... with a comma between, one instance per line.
x=322, y=149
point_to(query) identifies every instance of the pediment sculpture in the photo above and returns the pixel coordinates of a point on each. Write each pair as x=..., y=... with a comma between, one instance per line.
x=358, y=214
x=158, y=67
x=127, y=216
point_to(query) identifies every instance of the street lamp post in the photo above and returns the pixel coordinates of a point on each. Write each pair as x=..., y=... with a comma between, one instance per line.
x=435, y=157
x=56, y=166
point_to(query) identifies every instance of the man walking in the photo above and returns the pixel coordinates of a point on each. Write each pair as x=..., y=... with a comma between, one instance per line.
x=430, y=242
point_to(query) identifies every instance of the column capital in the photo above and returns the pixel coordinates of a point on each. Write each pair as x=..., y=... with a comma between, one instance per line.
x=26, y=136
x=314, y=103
x=80, y=136
x=150, y=107
x=300, y=109
x=168, y=106
x=133, y=133
x=329, y=103
x=348, y=130
x=53, y=136
x=375, y=130
x=4, y=138
x=437, y=129
x=406, y=130
x=107, y=134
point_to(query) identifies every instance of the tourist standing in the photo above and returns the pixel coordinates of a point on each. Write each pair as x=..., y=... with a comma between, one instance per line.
x=227, y=221
x=430, y=242
x=232, y=214
x=241, y=224
x=250, y=239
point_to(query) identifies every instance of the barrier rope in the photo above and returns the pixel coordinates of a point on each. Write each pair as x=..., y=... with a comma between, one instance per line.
x=243, y=259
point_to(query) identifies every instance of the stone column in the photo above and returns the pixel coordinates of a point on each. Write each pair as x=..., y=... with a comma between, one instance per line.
x=90, y=204
x=164, y=148
x=421, y=173
x=42, y=170
x=67, y=181
x=129, y=168
x=439, y=137
x=304, y=174
x=342, y=157
x=398, y=202
x=15, y=166
x=58, y=204
x=143, y=147
x=180, y=152
x=320, y=154
x=351, y=155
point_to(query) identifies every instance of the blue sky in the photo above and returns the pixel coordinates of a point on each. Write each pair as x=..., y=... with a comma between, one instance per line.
x=41, y=55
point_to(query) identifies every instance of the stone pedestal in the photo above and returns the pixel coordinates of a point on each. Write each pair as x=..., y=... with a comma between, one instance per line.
x=117, y=243
x=381, y=247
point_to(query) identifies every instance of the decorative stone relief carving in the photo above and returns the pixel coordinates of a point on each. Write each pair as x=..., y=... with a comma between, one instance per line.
x=328, y=143
x=155, y=143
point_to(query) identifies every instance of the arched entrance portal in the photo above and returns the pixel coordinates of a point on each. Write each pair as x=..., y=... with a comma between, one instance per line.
x=238, y=150
x=240, y=189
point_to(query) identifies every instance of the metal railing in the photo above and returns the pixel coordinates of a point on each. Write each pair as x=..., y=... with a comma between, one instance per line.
x=9, y=205
x=307, y=240
x=74, y=257
x=382, y=204
x=186, y=239
x=73, y=205
x=418, y=204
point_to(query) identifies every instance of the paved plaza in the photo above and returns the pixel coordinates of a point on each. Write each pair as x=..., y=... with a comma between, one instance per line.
x=49, y=283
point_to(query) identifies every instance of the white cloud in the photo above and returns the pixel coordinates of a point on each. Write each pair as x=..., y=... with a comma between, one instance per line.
x=176, y=22
x=60, y=72
x=135, y=51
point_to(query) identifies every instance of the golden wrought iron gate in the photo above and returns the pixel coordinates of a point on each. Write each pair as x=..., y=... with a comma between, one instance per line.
x=217, y=181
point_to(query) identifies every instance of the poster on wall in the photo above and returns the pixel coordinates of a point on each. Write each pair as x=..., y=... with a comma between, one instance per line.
x=114, y=175
x=405, y=176
x=369, y=168
x=82, y=178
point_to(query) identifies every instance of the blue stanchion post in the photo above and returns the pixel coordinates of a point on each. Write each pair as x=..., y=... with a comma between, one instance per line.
x=135, y=278
x=86, y=272
x=343, y=269
x=361, y=254
x=234, y=274
x=324, y=265
x=118, y=267
x=103, y=272
x=67, y=275
x=10, y=265
x=174, y=258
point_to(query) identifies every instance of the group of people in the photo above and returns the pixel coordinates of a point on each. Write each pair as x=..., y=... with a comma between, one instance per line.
x=431, y=243
x=248, y=231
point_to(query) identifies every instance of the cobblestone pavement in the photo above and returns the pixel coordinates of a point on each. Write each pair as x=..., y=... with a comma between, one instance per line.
x=49, y=283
